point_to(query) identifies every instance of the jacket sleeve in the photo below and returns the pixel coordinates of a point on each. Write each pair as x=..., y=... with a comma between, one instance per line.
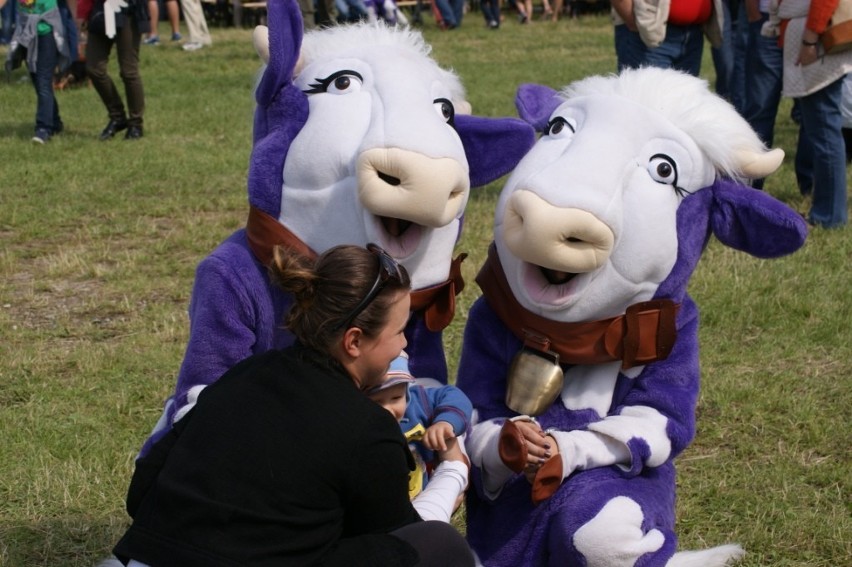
x=451, y=405
x=819, y=14
x=376, y=493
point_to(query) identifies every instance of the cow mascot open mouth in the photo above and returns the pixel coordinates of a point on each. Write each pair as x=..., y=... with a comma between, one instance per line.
x=581, y=358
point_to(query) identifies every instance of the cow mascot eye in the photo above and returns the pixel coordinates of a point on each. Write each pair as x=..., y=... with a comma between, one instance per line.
x=663, y=169
x=559, y=127
x=445, y=110
x=341, y=82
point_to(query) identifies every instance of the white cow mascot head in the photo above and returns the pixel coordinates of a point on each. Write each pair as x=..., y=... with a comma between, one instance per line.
x=581, y=358
x=359, y=137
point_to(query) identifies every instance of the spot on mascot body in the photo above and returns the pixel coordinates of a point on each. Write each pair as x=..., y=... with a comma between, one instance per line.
x=597, y=232
x=359, y=136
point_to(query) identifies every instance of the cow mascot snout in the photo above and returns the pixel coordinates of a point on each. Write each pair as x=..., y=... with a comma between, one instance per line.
x=581, y=357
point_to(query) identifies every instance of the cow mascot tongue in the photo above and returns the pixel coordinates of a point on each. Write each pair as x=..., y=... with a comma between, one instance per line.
x=359, y=136
x=581, y=358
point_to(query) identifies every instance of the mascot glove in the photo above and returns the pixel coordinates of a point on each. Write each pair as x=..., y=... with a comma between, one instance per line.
x=512, y=446
x=578, y=450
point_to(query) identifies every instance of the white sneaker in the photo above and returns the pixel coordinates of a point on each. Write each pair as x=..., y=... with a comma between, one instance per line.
x=192, y=46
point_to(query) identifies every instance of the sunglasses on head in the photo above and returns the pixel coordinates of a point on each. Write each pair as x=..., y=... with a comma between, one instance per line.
x=388, y=270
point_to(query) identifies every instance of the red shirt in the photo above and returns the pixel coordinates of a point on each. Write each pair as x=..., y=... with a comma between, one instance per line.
x=689, y=12
x=84, y=8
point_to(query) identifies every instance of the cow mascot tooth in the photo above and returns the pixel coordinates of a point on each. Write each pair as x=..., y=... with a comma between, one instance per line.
x=359, y=136
x=585, y=339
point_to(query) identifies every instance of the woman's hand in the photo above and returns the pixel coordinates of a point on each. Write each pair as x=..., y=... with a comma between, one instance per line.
x=452, y=451
x=550, y=448
x=538, y=446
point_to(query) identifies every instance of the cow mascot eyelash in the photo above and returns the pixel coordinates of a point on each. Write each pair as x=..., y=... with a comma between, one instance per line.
x=581, y=357
x=359, y=136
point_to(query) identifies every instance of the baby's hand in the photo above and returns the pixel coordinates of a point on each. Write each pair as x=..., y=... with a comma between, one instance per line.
x=437, y=434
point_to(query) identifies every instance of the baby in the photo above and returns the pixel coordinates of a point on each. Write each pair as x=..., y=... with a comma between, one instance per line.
x=432, y=420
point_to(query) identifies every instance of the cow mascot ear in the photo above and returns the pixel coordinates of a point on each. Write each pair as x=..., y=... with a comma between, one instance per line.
x=493, y=146
x=751, y=221
x=279, y=103
x=278, y=48
x=535, y=104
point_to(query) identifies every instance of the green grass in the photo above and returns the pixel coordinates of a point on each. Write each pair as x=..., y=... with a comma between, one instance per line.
x=99, y=241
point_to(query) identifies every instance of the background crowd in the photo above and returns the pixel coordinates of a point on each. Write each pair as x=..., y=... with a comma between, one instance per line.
x=755, y=62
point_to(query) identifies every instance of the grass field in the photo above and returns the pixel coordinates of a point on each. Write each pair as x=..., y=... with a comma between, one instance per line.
x=100, y=241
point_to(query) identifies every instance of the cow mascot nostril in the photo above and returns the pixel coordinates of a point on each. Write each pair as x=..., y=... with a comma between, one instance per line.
x=305, y=190
x=585, y=343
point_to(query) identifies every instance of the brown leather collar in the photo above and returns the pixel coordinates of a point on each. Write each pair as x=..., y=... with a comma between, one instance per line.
x=436, y=304
x=645, y=333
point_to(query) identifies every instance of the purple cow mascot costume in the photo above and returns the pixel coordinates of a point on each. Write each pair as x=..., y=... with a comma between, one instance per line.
x=585, y=338
x=359, y=136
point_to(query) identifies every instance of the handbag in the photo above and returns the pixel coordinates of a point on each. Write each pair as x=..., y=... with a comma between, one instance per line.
x=838, y=36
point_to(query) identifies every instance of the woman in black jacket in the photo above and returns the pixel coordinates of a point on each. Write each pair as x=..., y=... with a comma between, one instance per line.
x=283, y=460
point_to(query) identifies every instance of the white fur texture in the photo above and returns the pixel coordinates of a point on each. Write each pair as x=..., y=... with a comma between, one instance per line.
x=338, y=42
x=687, y=102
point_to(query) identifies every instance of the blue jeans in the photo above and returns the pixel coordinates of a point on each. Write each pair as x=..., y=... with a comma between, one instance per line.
x=730, y=59
x=71, y=35
x=764, y=67
x=490, y=11
x=821, y=155
x=681, y=49
x=451, y=11
x=8, y=13
x=350, y=10
x=47, y=110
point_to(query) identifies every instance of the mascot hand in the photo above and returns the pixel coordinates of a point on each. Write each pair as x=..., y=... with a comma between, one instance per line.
x=547, y=479
x=523, y=445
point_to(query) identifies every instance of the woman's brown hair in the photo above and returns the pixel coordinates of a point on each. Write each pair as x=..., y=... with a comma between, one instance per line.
x=326, y=292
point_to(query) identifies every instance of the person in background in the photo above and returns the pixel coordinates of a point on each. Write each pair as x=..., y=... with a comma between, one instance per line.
x=452, y=12
x=433, y=420
x=284, y=460
x=729, y=59
x=8, y=15
x=196, y=25
x=131, y=23
x=40, y=33
x=815, y=79
x=350, y=11
x=846, y=112
x=173, y=13
x=491, y=13
x=764, y=66
x=643, y=39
